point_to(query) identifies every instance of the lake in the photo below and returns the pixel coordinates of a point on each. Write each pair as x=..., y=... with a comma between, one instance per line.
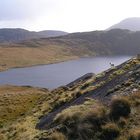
x=55, y=75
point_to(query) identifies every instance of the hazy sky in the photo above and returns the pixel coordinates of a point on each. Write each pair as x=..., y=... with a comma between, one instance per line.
x=66, y=15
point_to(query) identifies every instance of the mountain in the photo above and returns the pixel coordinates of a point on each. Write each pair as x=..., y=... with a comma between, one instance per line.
x=16, y=35
x=51, y=33
x=132, y=24
x=71, y=46
x=99, y=107
x=112, y=42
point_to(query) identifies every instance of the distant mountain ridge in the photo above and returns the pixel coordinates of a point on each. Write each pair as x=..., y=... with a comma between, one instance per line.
x=18, y=34
x=51, y=33
x=56, y=49
x=111, y=42
x=132, y=24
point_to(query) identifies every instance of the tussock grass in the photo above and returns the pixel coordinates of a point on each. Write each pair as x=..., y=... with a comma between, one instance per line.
x=83, y=120
x=135, y=98
x=17, y=101
x=120, y=107
x=110, y=131
x=134, y=134
x=93, y=120
x=57, y=136
x=20, y=108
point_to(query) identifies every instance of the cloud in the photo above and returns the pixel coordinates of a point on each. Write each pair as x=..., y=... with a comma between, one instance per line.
x=24, y=9
x=67, y=15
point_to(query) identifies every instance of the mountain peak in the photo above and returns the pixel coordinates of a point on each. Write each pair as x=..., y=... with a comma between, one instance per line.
x=132, y=24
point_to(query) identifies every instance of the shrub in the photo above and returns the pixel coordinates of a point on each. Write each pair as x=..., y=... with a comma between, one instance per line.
x=83, y=121
x=134, y=135
x=86, y=131
x=82, y=131
x=120, y=107
x=95, y=116
x=68, y=116
x=82, y=125
x=110, y=131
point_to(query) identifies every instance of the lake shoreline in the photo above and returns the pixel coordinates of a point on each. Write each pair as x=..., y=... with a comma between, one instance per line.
x=59, y=74
x=2, y=69
x=34, y=65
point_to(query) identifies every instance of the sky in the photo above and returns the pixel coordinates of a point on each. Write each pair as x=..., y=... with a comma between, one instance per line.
x=66, y=15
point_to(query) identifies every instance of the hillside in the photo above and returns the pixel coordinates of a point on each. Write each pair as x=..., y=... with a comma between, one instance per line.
x=16, y=35
x=114, y=42
x=100, y=107
x=71, y=46
x=132, y=24
x=51, y=33
x=16, y=104
x=88, y=108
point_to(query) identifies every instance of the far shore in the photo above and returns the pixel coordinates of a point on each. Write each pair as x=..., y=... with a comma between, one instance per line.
x=4, y=68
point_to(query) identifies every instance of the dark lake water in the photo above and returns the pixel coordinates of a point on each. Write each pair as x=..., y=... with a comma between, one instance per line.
x=55, y=75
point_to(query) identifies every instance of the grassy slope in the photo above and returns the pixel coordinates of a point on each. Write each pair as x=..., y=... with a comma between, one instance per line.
x=15, y=104
x=23, y=127
x=94, y=120
x=116, y=82
x=28, y=56
x=16, y=101
x=37, y=52
x=102, y=87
